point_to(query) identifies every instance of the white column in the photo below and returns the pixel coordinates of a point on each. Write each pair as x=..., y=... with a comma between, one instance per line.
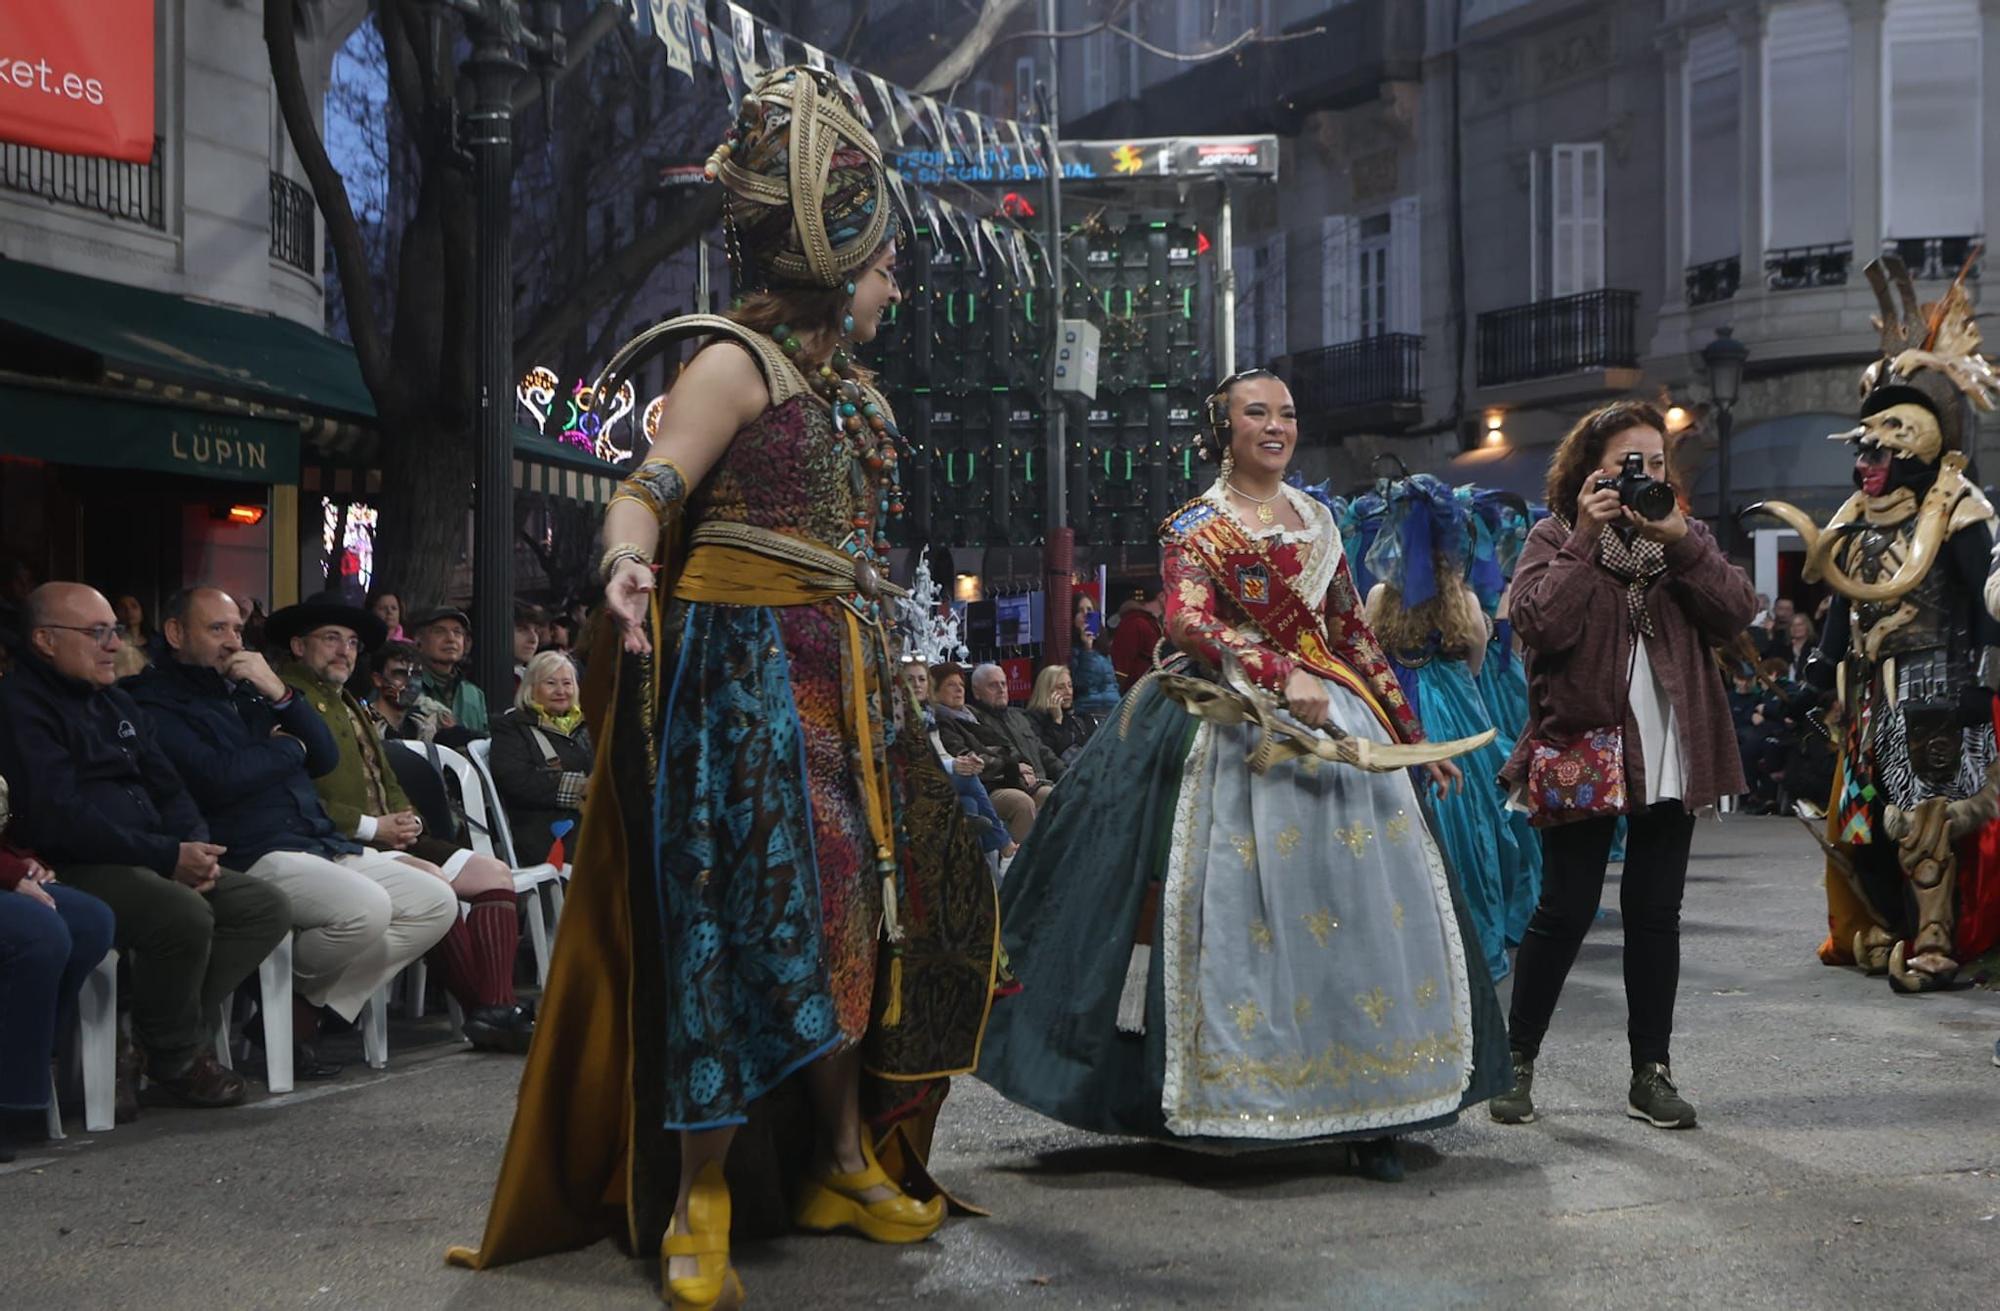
x=1750, y=26
x=1865, y=166
x=1989, y=116
x=1673, y=72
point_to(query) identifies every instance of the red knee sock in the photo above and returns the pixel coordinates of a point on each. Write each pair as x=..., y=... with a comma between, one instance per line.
x=477, y=957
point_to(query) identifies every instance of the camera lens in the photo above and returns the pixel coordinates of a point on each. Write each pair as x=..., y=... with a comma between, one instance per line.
x=1654, y=501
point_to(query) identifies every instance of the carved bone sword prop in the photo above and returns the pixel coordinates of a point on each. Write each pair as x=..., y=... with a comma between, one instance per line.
x=1280, y=740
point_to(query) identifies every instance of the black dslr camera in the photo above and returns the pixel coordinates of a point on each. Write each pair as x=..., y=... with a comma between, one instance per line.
x=1639, y=490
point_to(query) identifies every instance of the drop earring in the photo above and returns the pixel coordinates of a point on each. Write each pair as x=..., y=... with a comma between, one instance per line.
x=1228, y=465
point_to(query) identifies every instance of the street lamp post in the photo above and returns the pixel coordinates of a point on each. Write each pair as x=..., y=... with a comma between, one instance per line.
x=1724, y=358
x=500, y=36
x=1058, y=537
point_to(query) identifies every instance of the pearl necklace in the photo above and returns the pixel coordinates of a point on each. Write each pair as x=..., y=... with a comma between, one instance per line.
x=1265, y=514
x=863, y=428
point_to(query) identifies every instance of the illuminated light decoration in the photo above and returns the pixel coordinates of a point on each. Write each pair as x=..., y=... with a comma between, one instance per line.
x=1127, y=159
x=537, y=393
x=244, y=514
x=651, y=425
x=1017, y=206
x=356, y=556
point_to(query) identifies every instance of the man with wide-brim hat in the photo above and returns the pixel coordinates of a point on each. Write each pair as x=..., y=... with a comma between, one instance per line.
x=319, y=642
x=443, y=638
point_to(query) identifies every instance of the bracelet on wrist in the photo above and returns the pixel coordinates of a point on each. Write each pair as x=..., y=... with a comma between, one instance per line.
x=619, y=553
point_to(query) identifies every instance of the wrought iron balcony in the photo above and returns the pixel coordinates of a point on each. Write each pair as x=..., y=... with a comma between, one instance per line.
x=294, y=225
x=1796, y=267
x=1935, y=259
x=1717, y=280
x=111, y=187
x=1367, y=374
x=1569, y=334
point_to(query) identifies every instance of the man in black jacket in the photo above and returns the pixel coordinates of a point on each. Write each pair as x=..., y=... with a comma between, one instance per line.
x=250, y=748
x=96, y=798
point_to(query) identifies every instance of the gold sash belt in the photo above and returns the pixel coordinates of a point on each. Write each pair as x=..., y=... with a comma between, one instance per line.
x=741, y=564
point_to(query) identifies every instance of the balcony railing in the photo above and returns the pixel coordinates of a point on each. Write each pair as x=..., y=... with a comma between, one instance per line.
x=1591, y=330
x=1381, y=370
x=1714, y=281
x=1796, y=267
x=1935, y=259
x=294, y=225
x=112, y=187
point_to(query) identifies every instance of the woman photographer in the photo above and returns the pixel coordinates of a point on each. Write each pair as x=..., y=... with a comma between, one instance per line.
x=1627, y=716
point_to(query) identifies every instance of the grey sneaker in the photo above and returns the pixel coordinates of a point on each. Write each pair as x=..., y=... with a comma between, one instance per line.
x=1655, y=1100
x=1517, y=1104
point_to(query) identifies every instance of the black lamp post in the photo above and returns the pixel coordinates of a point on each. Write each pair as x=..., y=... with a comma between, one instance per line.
x=1724, y=357
x=506, y=36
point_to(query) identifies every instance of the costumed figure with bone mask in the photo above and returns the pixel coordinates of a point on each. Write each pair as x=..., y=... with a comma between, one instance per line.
x=1233, y=924
x=1910, y=646
x=775, y=878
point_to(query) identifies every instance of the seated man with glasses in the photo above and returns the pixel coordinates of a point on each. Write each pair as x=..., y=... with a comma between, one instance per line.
x=98, y=800
x=320, y=642
x=249, y=748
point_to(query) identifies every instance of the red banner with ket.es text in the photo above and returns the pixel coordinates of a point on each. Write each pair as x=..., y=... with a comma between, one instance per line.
x=76, y=76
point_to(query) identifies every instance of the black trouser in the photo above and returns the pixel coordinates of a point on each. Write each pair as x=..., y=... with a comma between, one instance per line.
x=1649, y=898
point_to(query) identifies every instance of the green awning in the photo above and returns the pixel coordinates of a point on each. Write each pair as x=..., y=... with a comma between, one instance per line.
x=554, y=468
x=159, y=337
x=102, y=431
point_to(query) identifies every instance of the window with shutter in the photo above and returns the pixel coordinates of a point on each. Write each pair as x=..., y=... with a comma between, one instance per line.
x=1806, y=138
x=1371, y=278
x=1576, y=218
x=1931, y=176
x=1712, y=180
x=1336, y=280
x=1406, y=266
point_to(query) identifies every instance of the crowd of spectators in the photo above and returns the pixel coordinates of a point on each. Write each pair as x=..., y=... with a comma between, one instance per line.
x=192, y=791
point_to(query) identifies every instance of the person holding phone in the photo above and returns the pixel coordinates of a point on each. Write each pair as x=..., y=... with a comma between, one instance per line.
x=1620, y=600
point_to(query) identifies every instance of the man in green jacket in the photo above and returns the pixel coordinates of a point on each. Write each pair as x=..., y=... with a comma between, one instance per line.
x=320, y=641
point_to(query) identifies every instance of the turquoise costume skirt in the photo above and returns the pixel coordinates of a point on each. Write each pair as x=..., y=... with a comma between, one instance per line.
x=1503, y=682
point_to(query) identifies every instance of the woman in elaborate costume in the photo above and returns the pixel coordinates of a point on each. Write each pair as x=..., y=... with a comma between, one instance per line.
x=775, y=877
x=1500, y=525
x=1223, y=938
x=1430, y=622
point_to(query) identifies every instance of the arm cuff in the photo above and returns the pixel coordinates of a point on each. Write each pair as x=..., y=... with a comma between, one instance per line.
x=364, y=830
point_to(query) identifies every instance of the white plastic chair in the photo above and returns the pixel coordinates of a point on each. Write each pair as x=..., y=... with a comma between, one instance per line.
x=480, y=826
x=481, y=752
x=97, y=1021
x=274, y=984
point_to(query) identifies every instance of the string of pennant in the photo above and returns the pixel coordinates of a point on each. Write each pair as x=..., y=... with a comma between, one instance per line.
x=750, y=46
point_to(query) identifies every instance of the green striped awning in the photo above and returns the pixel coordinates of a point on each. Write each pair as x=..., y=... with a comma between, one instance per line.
x=568, y=483
x=541, y=465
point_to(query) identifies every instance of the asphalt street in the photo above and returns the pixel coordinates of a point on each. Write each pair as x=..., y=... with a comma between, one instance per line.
x=1848, y=1155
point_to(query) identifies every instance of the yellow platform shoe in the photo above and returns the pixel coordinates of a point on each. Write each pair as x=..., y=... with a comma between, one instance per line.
x=833, y=1201
x=716, y=1287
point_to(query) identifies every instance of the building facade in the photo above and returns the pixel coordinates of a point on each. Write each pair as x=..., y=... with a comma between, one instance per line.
x=166, y=361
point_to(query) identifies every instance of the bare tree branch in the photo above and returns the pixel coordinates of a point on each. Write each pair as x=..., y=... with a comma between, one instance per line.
x=984, y=36
x=601, y=22
x=629, y=265
x=350, y=251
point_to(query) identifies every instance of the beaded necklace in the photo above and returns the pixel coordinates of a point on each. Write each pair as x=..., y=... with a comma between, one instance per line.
x=863, y=428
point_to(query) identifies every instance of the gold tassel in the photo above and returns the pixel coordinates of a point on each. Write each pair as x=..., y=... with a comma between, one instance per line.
x=892, y=1014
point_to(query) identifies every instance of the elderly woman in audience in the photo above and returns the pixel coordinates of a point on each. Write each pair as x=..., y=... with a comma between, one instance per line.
x=134, y=655
x=962, y=769
x=1052, y=710
x=51, y=938
x=542, y=757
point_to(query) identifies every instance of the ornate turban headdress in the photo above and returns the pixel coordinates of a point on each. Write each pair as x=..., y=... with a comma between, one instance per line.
x=808, y=199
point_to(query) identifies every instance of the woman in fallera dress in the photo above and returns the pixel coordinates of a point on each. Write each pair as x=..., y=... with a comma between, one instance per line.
x=1234, y=959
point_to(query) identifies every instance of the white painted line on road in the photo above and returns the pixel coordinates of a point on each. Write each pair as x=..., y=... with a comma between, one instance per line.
x=29, y=1163
x=332, y=1089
